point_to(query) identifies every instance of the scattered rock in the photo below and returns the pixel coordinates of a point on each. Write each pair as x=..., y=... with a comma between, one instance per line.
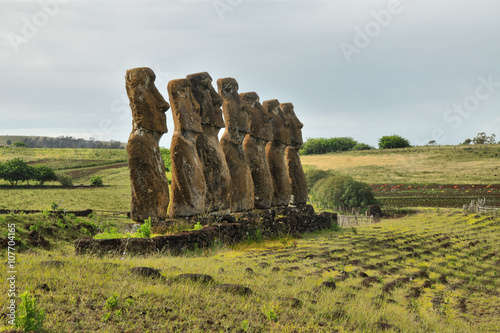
x=291, y=269
x=263, y=265
x=221, y=270
x=203, y=278
x=234, y=288
x=329, y=284
x=275, y=269
x=367, y=282
x=44, y=287
x=146, y=272
x=249, y=271
x=427, y=284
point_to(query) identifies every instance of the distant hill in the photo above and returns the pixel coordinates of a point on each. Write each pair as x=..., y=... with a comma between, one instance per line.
x=60, y=142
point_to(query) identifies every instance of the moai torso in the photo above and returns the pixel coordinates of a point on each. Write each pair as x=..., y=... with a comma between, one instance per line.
x=188, y=181
x=215, y=169
x=275, y=151
x=236, y=120
x=150, y=196
x=296, y=174
x=254, y=146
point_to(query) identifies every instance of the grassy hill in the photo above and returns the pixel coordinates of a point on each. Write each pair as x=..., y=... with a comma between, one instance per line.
x=477, y=164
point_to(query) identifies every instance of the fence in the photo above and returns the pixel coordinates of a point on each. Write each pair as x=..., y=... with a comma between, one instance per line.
x=479, y=206
x=355, y=220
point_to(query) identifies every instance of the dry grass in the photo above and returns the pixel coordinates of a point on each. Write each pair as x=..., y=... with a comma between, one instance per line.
x=446, y=165
x=447, y=264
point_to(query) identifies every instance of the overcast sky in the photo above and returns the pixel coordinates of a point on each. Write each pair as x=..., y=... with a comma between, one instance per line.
x=426, y=70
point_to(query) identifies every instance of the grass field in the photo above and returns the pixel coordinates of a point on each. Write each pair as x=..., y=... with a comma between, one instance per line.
x=419, y=165
x=433, y=272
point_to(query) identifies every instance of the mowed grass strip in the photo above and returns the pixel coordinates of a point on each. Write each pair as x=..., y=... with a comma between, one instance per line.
x=433, y=272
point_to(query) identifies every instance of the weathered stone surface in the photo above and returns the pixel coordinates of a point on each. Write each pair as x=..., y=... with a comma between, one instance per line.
x=275, y=151
x=237, y=127
x=296, y=174
x=234, y=288
x=215, y=169
x=254, y=146
x=146, y=272
x=188, y=181
x=224, y=233
x=150, y=196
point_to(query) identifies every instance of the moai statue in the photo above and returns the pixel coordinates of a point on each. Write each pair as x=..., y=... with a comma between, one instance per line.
x=254, y=146
x=150, y=197
x=215, y=169
x=275, y=152
x=236, y=119
x=188, y=182
x=296, y=174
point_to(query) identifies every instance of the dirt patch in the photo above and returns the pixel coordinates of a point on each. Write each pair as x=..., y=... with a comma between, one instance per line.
x=80, y=173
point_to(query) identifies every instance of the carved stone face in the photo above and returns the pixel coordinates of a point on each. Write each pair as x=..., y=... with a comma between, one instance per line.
x=147, y=104
x=235, y=113
x=209, y=100
x=260, y=120
x=295, y=124
x=280, y=125
x=185, y=108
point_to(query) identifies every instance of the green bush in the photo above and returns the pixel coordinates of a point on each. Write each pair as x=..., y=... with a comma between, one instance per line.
x=96, y=181
x=165, y=155
x=65, y=180
x=145, y=229
x=393, y=141
x=42, y=174
x=19, y=144
x=29, y=317
x=324, y=146
x=313, y=175
x=362, y=146
x=342, y=191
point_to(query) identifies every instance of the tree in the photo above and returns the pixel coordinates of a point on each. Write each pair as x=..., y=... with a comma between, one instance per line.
x=393, y=141
x=9, y=142
x=165, y=155
x=467, y=142
x=15, y=171
x=43, y=173
x=432, y=142
x=19, y=144
x=362, y=146
x=342, y=191
x=482, y=138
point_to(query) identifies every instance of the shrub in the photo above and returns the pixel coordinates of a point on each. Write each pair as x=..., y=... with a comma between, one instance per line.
x=165, y=155
x=145, y=229
x=362, y=146
x=323, y=146
x=19, y=144
x=29, y=317
x=342, y=191
x=15, y=171
x=313, y=175
x=42, y=174
x=65, y=180
x=393, y=141
x=96, y=181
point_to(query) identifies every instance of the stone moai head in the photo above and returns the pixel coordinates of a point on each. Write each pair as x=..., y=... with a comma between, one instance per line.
x=235, y=113
x=260, y=120
x=209, y=100
x=185, y=108
x=147, y=104
x=294, y=124
x=280, y=125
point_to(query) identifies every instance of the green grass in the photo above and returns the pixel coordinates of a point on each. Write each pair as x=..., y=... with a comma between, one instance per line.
x=456, y=256
x=478, y=164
